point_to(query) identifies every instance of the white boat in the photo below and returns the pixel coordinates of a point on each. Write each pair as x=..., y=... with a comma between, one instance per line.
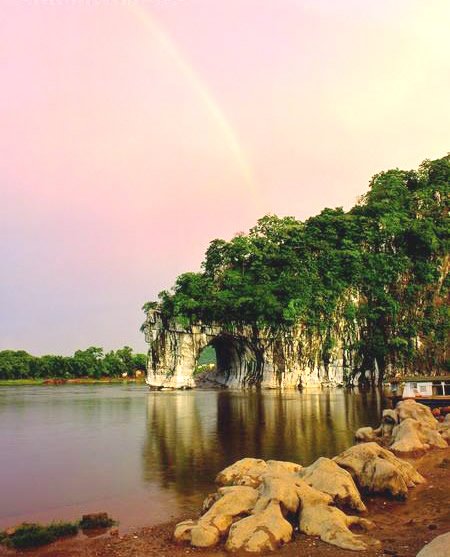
x=433, y=391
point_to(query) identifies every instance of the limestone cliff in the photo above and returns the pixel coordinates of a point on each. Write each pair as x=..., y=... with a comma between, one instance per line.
x=246, y=355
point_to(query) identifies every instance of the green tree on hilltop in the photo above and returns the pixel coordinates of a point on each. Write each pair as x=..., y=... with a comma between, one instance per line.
x=383, y=265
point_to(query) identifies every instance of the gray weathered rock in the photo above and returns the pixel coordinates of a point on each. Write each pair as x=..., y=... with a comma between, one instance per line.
x=378, y=470
x=438, y=547
x=444, y=429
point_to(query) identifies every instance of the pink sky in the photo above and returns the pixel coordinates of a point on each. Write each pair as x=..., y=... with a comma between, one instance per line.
x=133, y=133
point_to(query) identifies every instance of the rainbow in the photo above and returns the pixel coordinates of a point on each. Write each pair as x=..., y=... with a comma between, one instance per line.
x=211, y=105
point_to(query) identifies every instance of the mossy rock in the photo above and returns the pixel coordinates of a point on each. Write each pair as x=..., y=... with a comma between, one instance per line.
x=95, y=521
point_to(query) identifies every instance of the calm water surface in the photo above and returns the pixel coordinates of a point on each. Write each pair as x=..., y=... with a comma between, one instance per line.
x=145, y=457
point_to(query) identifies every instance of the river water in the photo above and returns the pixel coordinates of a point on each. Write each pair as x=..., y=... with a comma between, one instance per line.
x=146, y=457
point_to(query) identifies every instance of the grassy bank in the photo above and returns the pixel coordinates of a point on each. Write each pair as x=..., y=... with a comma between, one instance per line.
x=15, y=382
x=79, y=381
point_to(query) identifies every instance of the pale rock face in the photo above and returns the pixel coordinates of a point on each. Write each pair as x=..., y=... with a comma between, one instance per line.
x=326, y=476
x=439, y=547
x=246, y=356
x=317, y=515
x=283, y=467
x=378, y=470
x=183, y=531
x=204, y=534
x=234, y=500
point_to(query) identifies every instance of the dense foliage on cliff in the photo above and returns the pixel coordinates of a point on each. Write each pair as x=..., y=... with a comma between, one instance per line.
x=92, y=362
x=382, y=266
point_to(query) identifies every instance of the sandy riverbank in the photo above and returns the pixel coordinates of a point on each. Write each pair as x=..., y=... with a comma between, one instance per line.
x=402, y=527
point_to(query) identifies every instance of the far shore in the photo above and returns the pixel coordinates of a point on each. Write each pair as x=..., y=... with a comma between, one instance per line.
x=72, y=381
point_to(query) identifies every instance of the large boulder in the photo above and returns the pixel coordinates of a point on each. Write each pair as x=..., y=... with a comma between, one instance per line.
x=231, y=502
x=414, y=436
x=326, y=476
x=319, y=518
x=279, y=488
x=378, y=470
x=247, y=471
x=264, y=530
x=409, y=408
x=250, y=471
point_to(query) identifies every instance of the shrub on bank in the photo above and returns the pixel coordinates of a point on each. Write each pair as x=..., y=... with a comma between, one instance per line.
x=29, y=535
x=35, y=535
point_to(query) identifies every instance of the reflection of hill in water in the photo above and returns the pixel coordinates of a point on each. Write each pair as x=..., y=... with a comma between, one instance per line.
x=191, y=435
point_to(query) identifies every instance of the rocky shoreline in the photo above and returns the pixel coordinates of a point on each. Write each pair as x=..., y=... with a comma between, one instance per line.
x=263, y=505
x=403, y=528
x=259, y=505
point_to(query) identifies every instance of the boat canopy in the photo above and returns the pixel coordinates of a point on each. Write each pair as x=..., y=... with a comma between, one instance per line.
x=421, y=379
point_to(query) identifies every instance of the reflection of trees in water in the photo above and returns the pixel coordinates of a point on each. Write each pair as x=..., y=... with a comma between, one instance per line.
x=294, y=426
x=180, y=447
x=192, y=435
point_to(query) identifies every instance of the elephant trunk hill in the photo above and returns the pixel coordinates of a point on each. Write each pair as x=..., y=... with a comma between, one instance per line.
x=343, y=297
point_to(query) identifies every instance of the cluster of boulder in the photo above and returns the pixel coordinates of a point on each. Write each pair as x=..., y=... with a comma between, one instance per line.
x=258, y=503
x=410, y=429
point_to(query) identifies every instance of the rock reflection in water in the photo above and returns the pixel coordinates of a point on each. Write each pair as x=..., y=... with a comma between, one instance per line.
x=191, y=435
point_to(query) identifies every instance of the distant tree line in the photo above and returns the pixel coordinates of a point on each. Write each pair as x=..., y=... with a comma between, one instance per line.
x=92, y=362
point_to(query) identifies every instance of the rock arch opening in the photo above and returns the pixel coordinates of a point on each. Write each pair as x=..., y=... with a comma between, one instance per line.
x=207, y=359
x=238, y=362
